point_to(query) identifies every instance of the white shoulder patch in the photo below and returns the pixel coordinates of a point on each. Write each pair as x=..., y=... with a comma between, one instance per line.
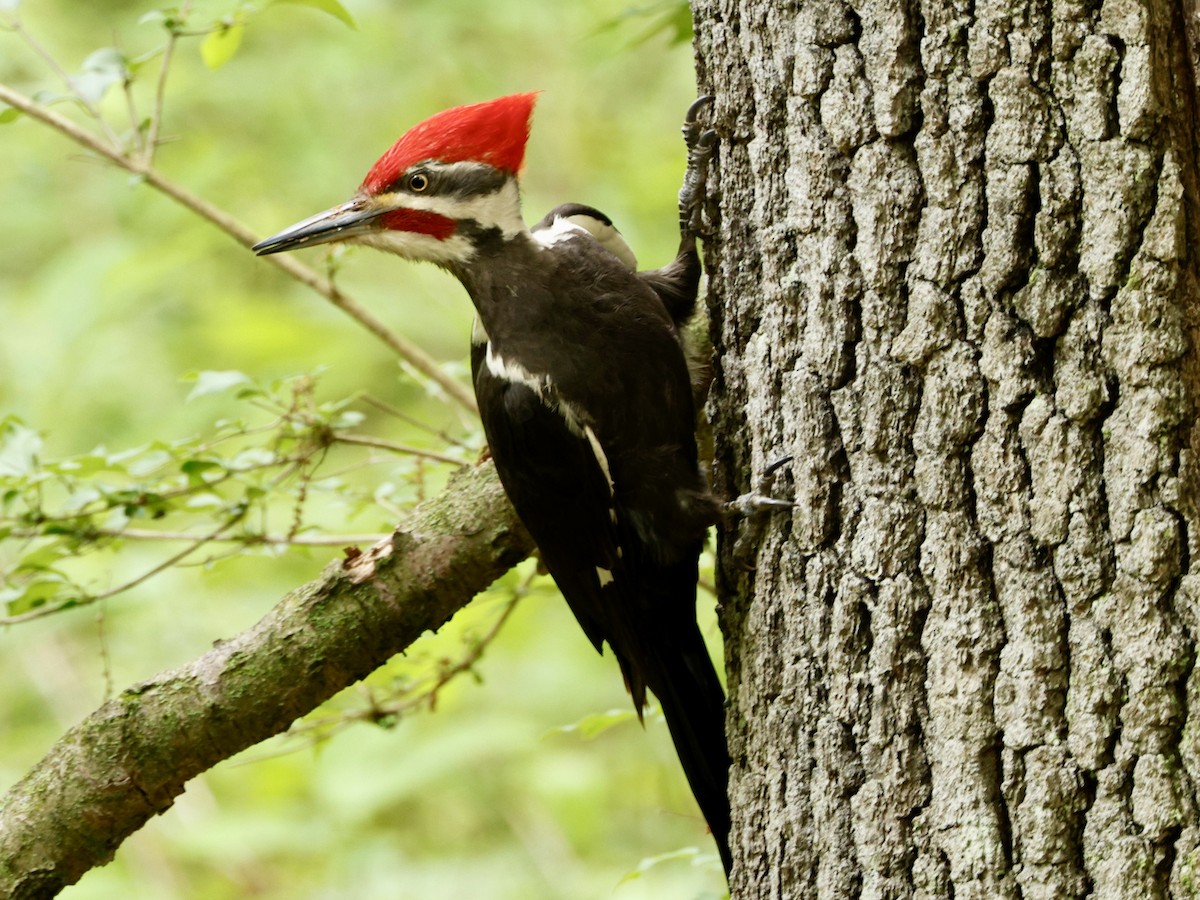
x=560, y=230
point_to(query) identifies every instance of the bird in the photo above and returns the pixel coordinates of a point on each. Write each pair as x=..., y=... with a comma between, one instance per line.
x=584, y=391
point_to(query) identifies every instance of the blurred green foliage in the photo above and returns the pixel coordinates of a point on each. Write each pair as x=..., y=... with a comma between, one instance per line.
x=122, y=317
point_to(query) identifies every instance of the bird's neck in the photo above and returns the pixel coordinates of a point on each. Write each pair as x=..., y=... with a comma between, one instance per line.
x=501, y=266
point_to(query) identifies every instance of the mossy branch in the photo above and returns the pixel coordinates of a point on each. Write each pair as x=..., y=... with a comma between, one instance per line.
x=131, y=758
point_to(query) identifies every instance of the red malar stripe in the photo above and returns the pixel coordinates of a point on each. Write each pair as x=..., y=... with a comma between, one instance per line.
x=419, y=220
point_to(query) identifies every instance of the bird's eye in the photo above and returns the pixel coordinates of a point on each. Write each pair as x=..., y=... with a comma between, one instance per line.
x=418, y=181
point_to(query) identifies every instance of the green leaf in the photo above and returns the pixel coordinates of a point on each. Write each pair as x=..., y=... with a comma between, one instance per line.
x=332, y=7
x=42, y=559
x=196, y=469
x=33, y=595
x=19, y=448
x=213, y=382
x=596, y=724
x=150, y=462
x=350, y=418
x=79, y=499
x=137, y=63
x=220, y=45
x=207, y=500
x=86, y=465
x=9, y=115
x=253, y=458
x=691, y=854
x=49, y=98
x=101, y=70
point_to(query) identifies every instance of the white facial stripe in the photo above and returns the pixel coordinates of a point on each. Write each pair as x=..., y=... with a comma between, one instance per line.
x=499, y=209
x=414, y=245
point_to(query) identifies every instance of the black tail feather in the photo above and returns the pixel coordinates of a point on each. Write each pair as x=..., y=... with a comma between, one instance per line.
x=693, y=703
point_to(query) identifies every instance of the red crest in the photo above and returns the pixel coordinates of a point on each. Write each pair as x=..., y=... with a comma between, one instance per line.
x=494, y=132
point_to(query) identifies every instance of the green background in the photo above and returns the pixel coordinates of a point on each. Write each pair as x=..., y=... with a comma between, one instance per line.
x=110, y=295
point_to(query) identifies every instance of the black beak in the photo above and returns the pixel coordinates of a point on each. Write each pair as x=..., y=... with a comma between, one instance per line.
x=351, y=219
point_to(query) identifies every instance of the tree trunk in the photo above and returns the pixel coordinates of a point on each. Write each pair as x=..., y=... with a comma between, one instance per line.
x=955, y=277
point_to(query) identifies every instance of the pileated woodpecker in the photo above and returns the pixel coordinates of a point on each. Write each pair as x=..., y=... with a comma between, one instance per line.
x=584, y=392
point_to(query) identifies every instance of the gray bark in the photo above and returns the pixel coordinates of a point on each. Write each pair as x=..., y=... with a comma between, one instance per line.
x=954, y=274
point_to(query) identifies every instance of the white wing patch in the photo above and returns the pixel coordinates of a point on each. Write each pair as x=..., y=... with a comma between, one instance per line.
x=598, y=452
x=605, y=575
x=479, y=335
x=600, y=457
x=515, y=373
x=509, y=370
x=564, y=227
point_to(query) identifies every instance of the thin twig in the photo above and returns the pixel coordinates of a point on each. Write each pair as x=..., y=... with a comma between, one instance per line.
x=400, y=414
x=160, y=88
x=402, y=346
x=250, y=539
x=105, y=655
x=131, y=108
x=379, y=711
x=48, y=58
x=167, y=563
x=381, y=444
x=135, y=135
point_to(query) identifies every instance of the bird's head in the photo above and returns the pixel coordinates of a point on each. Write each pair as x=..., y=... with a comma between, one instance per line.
x=442, y=193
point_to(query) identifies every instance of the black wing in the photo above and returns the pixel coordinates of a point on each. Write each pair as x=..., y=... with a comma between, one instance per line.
x=595, y=447
x=676, y=284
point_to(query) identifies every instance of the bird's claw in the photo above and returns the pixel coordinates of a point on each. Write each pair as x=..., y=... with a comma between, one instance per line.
x=701, y=144
x=775, y=467
x=753, y=503
x=751, y=508
x=758, y=499
x=691, y=130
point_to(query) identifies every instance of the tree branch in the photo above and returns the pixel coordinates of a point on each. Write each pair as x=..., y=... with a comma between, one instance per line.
x=129, y=759
x=403, y=347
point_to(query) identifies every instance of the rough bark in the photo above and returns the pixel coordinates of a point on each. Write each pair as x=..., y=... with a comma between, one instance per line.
x=131, y=758
x=955, y=276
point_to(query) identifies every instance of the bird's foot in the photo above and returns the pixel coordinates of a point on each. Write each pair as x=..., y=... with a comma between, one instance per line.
x=691, y=127
x=758, y=500
x=701, y=145
x=752, y=508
